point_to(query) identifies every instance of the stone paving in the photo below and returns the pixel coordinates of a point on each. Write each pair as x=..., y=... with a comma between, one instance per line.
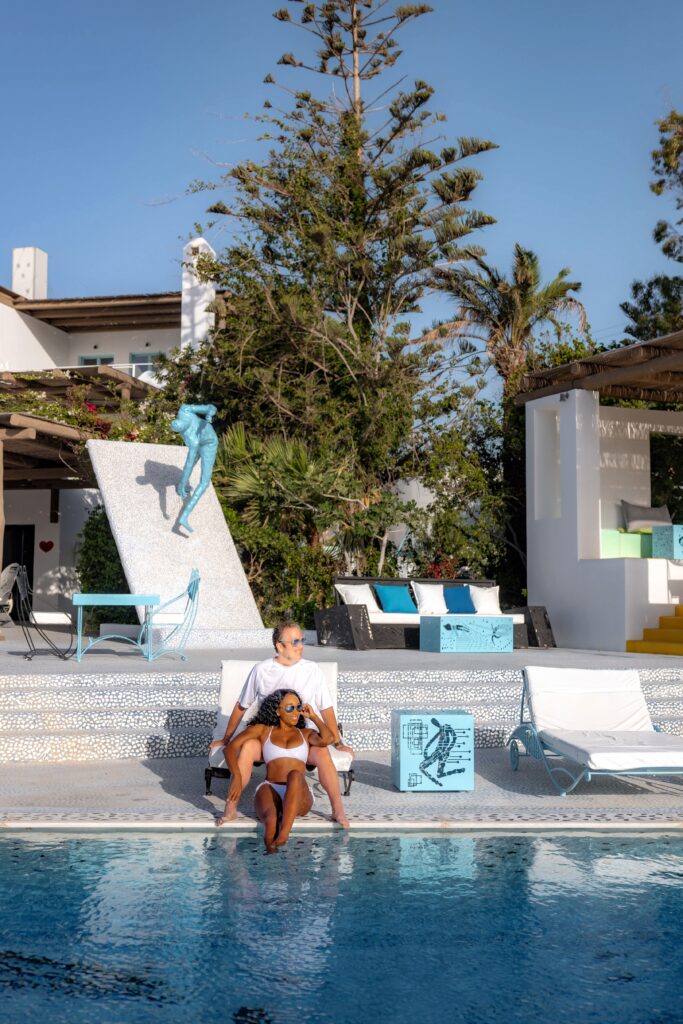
x=168, y=794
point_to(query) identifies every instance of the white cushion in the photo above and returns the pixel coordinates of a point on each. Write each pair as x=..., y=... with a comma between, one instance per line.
x=357, y=593
x=591, y=700
x=394, y=618
x=430, y=599
x=617, y=751
x=486, y=600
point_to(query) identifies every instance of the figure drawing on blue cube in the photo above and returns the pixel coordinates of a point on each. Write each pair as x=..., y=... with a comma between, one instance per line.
x=445, y=738
x=193, y=423
x=498, y=632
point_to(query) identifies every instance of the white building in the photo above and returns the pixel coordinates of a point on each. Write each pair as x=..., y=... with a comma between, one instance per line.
x=127, y=332
x=583, y=459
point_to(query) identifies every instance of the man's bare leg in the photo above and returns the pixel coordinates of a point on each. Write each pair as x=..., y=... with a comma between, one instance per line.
x=329, y=780
x=250, y=752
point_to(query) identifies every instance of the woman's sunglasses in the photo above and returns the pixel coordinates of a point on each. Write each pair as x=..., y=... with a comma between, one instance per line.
x=293, y=707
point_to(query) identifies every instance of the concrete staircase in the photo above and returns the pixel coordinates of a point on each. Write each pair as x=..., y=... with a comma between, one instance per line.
x=110, y=717
x=667, y=638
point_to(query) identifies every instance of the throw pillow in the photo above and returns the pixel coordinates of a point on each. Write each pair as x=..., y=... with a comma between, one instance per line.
x=357, y=593
x=486, y=600
x=430, y=599
x=640, y=517
x=395, y=598
x=459, y=600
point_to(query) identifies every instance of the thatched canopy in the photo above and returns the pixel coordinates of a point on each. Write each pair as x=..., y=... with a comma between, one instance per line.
x=650, y=371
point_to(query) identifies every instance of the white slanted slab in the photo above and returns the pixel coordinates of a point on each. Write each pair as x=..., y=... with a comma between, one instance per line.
x=137, y=483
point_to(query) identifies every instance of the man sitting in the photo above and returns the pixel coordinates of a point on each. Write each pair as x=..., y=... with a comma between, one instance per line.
x=288, y=670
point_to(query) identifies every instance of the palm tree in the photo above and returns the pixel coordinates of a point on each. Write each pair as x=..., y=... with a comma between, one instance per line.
x=506, y=313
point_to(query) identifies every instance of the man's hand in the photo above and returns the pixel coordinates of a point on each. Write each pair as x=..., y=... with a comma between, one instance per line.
x=342, y=746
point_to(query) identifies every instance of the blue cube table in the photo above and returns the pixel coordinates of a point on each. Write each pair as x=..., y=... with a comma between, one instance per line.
x=466, y=634
x=432, y=751
x=667, y=541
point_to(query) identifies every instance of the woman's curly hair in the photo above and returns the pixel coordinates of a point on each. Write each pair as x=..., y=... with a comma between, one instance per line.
x=267, y=709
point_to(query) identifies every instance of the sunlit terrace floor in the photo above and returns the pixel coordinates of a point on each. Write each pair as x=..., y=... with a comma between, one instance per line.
x=168, y=794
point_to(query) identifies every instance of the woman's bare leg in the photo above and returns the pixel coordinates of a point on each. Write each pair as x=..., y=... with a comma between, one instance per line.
x=329, y=780
x=250, y=752
x=297, y=803
x=268, y=807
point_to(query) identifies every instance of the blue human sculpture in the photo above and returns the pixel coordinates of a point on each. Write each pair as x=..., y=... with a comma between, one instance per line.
x=193, y=423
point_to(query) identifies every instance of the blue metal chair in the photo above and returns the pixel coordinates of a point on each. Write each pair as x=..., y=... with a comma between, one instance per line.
x=176, y=640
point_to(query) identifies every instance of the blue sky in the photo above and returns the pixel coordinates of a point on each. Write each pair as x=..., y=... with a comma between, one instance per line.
x=111, y=110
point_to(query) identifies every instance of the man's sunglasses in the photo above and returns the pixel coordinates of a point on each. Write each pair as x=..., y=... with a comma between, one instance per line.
x=295, y=643
x=293, y=707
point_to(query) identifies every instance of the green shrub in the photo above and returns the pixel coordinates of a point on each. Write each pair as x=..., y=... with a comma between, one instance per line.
x=100, y=571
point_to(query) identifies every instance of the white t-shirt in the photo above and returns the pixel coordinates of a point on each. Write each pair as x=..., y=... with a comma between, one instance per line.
x=305, y=678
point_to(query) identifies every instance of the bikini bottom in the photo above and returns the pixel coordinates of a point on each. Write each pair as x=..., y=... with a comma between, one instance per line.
x=280, y=788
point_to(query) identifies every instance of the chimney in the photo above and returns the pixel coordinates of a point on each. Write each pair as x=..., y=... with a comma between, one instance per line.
x=29, y=272
x=195, y=319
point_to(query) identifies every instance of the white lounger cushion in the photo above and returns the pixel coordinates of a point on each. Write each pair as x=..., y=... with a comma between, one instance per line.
x=592, y=700
x=617, y=751
x=430, y=599
x=233, y=677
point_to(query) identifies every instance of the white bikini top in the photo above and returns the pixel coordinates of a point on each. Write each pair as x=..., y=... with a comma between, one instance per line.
x=271, y=751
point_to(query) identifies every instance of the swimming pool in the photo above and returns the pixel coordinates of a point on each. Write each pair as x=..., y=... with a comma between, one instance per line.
x=341, y=929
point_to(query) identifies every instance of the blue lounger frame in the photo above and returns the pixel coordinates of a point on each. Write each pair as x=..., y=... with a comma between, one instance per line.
x=527, y=734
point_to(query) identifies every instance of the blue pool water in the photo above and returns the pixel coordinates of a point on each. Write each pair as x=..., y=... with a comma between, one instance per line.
x=341, y=930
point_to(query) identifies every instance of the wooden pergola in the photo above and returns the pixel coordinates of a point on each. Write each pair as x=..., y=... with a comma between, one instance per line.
x=102, y=313
x=39, y=453
x=650, y=371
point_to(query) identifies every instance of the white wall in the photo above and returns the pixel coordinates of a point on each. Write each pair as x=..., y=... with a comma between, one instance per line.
x=30, y=344
x=120, y=344
x=625, y=457
x=54, y=578
x=582, y=459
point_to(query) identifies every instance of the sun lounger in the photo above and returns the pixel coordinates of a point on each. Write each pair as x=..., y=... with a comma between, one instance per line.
x=596, y=719
x=233, y=676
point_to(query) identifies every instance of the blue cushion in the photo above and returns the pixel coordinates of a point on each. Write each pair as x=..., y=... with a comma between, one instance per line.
x=459, y=600
x=395, y=599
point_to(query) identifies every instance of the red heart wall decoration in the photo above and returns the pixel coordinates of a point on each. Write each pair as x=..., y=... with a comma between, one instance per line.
x=46, y=545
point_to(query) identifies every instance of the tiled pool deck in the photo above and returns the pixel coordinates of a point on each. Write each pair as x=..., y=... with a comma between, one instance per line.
x=168, y=794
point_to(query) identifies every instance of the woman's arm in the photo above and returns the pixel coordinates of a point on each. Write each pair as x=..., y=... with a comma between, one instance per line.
x=232, y=749
x=236, y=716
x=324, y=736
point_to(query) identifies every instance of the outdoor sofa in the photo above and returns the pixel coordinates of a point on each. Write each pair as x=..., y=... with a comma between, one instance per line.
x=360, y=618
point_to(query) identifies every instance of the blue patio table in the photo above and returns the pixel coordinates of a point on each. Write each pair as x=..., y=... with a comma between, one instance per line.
x=149, y=601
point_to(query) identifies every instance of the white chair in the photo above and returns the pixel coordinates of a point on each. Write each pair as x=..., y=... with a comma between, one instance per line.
x=595, y=718
x=233, y=677
x=8, y=578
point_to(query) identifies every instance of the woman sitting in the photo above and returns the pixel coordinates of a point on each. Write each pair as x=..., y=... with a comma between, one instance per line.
x=280, y=726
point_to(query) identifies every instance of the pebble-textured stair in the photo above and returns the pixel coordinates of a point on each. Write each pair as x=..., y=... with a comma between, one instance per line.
x=111, y=717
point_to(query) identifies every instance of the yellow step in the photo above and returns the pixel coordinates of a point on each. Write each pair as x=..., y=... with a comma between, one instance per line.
x=671, y=622
x=667, y=635
x=679, y=611
x=654, y=647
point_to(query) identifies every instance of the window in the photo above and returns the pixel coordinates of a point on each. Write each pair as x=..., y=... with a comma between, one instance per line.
x=95, y=360
x=143, y=361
